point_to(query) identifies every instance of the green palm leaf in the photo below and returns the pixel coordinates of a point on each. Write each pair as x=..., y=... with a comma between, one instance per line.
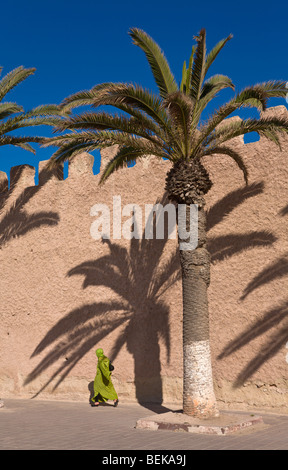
x=198, y=68
x=6, y=109
x=134, y=97
x=74, y=143
x=186, y=74
x=19, y=141
x=84, y=97
x=213, y=85
x=13, y=116
x=125, y=155
x=263, y=126
x=189, y=71
x=105, y=121
x=210, y=90
x=273, y=89
x=223, y=150
x=157, y=61
x=250, y=97
x=28, y=119
x=180, y=108
x=70, y=145
x=215, y=51
x=13, y=78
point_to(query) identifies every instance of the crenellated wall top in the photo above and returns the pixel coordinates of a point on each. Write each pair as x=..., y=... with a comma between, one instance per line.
x=23, y=176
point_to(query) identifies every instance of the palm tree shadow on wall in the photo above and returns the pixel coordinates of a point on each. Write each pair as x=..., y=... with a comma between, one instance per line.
x=275, y=320
x=139, y=279
x=16, y=222
x=228, y=245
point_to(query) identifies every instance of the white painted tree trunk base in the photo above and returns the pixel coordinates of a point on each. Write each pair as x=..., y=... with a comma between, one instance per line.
x=198, y=394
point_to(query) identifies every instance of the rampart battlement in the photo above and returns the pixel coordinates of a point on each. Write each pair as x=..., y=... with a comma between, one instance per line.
x=23, y=176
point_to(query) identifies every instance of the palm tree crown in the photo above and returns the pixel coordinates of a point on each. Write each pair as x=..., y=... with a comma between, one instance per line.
x=13, y=116
x=168, y=124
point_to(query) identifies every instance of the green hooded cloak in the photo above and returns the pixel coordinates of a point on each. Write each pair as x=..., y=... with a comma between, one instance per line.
x=103, y=386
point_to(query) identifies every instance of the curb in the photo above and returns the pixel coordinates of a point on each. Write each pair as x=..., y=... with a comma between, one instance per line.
x=177, y=422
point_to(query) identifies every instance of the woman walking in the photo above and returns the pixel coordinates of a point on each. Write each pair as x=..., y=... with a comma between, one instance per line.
x=103, y=386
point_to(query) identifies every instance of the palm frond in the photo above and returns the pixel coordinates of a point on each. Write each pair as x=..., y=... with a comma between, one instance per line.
x=130, y=140
x=46, y=110
x=133, y=96
x=180, y=108
x=13, y=116
x=186, y=74
x=6, y=109
x=273, y=136
x=157, y=61
x=210, y=89
x=189, y=71
x=249, y=97
x=21, y=121
x=49, y=114
x=266, y=126
x=94, y=96
x=124, y=156
x=215, y=84
x=84, y=97
x=18, y=141
x=25, y=146
x=223, y=150
x=198, y=68
x=182, y=87
x=13, y=78
x=74, y=143
x=89, y=98
x=105, y=121
x=273, y=88
x=211, y=56
x=70, y=145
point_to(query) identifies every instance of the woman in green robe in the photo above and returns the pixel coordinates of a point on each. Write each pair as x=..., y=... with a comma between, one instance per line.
x=103, y=386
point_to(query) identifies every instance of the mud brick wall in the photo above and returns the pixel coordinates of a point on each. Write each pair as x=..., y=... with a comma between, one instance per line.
x=63, y=293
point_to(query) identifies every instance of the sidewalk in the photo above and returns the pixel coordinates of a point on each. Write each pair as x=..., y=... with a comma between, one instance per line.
x=54, y=425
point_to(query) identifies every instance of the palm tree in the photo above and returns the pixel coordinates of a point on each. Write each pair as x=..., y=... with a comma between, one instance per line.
x=13, y=116
x=168, y=125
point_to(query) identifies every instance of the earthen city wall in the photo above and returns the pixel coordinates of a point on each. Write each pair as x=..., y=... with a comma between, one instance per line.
x=63, y=293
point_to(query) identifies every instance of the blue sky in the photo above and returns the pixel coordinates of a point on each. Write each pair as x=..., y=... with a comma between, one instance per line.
x=76, y=44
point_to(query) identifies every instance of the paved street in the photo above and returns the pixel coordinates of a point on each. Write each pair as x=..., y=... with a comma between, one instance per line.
x=53, y=425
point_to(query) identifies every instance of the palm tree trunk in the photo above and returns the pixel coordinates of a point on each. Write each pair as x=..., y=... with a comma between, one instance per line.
x=198, y=392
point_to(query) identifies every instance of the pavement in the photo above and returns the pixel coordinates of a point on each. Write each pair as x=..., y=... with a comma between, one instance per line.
x=34, y=424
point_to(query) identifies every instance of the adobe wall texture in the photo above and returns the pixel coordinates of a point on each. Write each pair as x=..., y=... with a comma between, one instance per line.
x=63, y=293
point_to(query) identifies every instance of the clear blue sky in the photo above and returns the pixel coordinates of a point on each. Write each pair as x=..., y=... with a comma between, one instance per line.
x=76, y=44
